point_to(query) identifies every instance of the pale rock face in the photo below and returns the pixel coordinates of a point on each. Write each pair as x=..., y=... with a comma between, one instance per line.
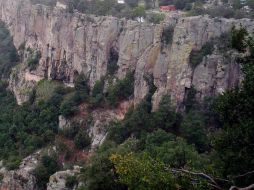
x=101, y=118
x=63, y=123
x=215, y=75
x=21, y=178
x=77, y=43
x=58, y=180
x=22, y=83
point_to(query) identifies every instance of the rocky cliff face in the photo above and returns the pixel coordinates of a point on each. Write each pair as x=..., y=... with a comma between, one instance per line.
x=72, y=43
x=22, y=178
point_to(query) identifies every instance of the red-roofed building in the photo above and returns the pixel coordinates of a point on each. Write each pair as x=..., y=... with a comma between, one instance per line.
x=168, y=8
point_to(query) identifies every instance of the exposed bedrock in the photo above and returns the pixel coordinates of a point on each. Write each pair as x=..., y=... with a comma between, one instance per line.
x=73, y=43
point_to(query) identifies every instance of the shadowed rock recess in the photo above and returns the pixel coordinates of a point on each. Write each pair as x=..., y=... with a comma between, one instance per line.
x=71, y=43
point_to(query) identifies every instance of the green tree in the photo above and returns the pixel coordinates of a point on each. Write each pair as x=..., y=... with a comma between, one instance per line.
x=71, y=181
x=97, y=93
x=234, y=142
x=99, y=173
x=48, y=166
x=193, y=129
x=165, y=117
x=139, y=12
x=82, y=140
x=238, y=40
x=121, y=90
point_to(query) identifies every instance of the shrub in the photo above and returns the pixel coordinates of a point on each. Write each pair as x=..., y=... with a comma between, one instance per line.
x=97, y=93
x=26, y=127
x=167, y=35
x=100, y=173
x=112, y=66
x=81, y=85
x=165, y=117
x=138, y=12
x=69, y=106
x=82, y=140
x=190, y=99
x=196, y=56
x=122, y=89
x=46, y=89
x=156, y=18
x=71, y=132
x=193, y=129
x=71, y=181
x=48, y=166
x=13, y=162
x=238, y=40
x=33, y=60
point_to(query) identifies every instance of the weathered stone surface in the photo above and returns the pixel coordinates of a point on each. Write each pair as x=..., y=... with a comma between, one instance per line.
x=22, y=178
x=72, y=43
x=216, y=74
x=63, y=122
x=58, y=180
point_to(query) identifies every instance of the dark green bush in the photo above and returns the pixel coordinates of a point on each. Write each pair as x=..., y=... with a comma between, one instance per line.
x=27, y=127
x=112, y=66
x=122, y=89
x=13, y=162
x=71, y=181
x=97, y=93
x=167, y=35
x=33, y=60
x=72, y=131
x=70, y=103
x=48, y=166
x=193, y=129
x=82, y=140
x=238, y=40
x=190, y=99
x=197, y=56
x=81, y=86
x=69, y=106
x=156, y=18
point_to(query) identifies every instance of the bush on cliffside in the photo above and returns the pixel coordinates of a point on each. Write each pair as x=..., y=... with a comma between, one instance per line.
x=112, y=66
x=33, y=60
x=197, y=56
x=48, y=165
x=167, y=35
x=121, y=90
x=97, y=93
x=82, y=140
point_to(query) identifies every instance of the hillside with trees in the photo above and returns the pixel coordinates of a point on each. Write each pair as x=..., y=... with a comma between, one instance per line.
x=198, y=144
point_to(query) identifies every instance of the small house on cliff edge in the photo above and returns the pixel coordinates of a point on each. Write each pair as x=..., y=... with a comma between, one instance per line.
x=168, y=8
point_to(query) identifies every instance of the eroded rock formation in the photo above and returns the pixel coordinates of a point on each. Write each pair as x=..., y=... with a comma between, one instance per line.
x=72, y=43
x=22, y=178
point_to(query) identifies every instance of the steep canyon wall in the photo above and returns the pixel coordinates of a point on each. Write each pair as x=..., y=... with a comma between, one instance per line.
x=72, y=43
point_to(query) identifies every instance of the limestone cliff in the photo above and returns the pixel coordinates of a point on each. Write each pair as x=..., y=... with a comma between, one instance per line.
x=72, y=43
x=21, y=178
